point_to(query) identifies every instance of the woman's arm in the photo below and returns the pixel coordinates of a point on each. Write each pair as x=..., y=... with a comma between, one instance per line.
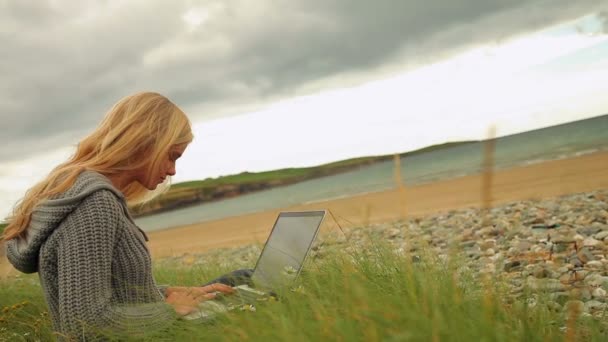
x=202, y=290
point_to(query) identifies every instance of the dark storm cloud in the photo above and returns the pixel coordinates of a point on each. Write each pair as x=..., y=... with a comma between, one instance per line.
x=63, y=64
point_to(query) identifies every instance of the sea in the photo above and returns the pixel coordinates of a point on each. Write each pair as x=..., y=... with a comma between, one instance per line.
x=552, y=143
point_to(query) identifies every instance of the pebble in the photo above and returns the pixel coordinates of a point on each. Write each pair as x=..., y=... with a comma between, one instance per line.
x=591, y=242
x=599, y=293
x=596, y=280
x=595, y=264
x=594, y=305
x=585, y=255
x=601, y=235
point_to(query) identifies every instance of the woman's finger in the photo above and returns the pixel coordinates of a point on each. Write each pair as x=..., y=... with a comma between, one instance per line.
x=218, y=287
x=209, y=296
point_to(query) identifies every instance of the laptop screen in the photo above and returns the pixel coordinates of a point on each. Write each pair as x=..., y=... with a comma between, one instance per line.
x=286, y=248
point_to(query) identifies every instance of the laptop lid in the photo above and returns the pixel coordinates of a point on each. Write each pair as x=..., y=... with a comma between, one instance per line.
x=286, y=249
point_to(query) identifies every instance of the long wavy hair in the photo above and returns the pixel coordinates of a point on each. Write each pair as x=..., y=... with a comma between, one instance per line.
x=137, y=132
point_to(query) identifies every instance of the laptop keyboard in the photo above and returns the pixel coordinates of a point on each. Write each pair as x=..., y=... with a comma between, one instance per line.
x=248, y=294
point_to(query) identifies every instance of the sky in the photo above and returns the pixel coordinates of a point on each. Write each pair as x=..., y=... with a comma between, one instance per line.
x=269, y=84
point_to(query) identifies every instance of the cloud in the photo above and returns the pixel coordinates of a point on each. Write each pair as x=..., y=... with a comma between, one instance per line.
x=66, y=62
x=603, y=18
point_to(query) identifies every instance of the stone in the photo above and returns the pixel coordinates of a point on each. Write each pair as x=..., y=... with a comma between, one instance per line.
x=473, y=254
x=596, y=280
x=591, y=242
x=497, y=256
x=598, y=293
x=563, y=240
x=511, y=252
x=537, y=249
x=594, y=264
x=590, y=230
x=541, y=272
x=576, y=263
x=393, y=233
x=580, y=275
x=601, y=235
x=523, y=246
x=567, y=278
x=487, y=244
x=512, y=266
x=585, y=255
x=594, y=305
x=468, y=244
x=561, y=248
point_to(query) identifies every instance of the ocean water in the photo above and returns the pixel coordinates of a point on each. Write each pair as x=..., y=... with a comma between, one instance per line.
x=572, y=139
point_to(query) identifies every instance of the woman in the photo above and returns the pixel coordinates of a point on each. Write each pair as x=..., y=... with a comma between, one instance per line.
x=75, y=230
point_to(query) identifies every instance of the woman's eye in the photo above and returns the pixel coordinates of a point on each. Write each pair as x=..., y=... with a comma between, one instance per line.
x=173, y=157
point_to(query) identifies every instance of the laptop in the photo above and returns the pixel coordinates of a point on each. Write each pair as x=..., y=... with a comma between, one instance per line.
x=278, y=266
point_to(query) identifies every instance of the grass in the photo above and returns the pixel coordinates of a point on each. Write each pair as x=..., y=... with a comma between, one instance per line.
x=305, y=172
x=367, y=294
x=2, y=226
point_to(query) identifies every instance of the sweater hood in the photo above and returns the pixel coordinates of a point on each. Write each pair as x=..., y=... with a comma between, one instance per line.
x=23, y=253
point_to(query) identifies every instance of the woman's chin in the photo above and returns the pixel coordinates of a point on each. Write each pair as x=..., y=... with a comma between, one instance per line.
x=150, y=187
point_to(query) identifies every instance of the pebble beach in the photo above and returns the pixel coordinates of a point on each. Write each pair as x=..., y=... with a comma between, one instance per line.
x=554, y=247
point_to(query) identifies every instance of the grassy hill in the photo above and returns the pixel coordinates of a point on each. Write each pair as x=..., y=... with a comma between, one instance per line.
x=2, y=226
x=210, y=189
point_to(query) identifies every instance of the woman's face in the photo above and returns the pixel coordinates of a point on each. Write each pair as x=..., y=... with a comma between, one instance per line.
x=167, y=168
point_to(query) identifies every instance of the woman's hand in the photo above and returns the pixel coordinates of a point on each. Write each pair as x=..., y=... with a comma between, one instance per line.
x=209, y=289
x=186, y=299
x=186, y=302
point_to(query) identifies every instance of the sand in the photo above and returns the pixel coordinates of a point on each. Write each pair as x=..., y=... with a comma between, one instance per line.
x=542, y=180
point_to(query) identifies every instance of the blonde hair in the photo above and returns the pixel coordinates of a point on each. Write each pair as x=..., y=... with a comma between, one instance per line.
x=137, y=132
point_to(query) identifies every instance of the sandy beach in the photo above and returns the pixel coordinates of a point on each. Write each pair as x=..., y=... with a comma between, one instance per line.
x=543, y=180
x=547, y=179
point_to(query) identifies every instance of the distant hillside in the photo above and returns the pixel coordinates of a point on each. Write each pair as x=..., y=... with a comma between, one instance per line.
x=212, y=189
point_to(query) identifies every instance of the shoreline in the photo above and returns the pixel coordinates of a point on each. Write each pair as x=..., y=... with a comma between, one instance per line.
x=539, y=180
x=536, y=181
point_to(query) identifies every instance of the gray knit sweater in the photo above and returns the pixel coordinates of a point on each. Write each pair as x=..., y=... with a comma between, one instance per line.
x=93, y=262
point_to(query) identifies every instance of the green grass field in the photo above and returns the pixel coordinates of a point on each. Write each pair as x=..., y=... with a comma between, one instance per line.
x=370, y=295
